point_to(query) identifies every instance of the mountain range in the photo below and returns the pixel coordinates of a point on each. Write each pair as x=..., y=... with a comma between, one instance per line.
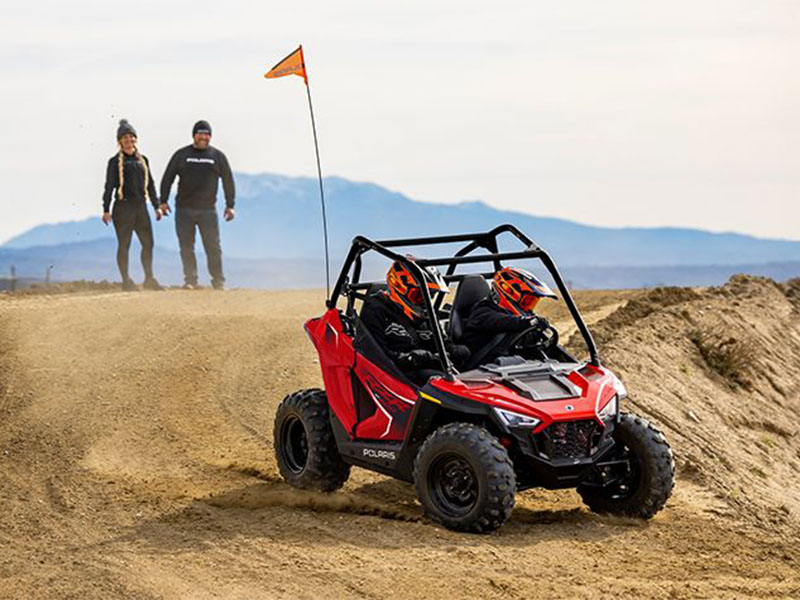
x=278, y=227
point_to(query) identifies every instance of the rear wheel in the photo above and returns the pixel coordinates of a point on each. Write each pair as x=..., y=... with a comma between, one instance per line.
x=643, y=473
x=304, y=444
x=465, y=479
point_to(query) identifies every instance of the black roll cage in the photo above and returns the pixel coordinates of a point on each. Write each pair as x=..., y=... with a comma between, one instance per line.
x=354, y=288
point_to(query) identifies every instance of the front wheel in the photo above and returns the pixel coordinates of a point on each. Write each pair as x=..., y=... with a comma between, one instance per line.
x=640, y=472
x=305, y=448
x=465, y=479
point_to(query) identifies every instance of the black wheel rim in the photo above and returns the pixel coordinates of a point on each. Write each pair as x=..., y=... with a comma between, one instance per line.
x=294, y=444
x=453, y=485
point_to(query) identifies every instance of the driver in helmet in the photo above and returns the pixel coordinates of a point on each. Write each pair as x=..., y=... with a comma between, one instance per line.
x=509, y=309
x=397, y=320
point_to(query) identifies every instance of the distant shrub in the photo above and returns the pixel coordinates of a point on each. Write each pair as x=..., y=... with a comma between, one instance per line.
x=724, y=354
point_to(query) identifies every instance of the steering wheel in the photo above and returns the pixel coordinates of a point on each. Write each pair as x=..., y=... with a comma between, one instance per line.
x=544, y=339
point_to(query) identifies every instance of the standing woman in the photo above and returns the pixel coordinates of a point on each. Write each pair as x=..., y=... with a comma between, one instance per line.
x=130, y=183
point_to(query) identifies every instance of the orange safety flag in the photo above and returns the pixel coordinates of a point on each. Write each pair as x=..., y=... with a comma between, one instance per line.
x=294, y=64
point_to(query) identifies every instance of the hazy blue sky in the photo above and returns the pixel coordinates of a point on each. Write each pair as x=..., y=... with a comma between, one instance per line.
x=611, y=113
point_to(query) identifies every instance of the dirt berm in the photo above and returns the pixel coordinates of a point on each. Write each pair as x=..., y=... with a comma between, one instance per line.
x=136, y=460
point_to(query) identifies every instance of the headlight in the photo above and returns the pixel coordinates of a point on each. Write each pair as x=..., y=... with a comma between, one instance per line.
x=512, y=419
x=610, y=409
x=619, y=387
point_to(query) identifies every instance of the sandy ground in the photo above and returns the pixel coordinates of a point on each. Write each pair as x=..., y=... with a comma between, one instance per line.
x=136, y=462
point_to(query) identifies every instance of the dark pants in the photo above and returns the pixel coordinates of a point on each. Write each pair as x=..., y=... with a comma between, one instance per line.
x=186, y=220
x=130, y=217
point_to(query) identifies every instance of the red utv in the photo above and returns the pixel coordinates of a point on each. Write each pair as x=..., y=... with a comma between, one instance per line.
x=468, y=440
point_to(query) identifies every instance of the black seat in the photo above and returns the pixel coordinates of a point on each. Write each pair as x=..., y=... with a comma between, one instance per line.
x=471, y=290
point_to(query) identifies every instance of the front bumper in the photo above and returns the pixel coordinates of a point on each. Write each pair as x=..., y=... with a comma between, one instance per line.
x=541, y=461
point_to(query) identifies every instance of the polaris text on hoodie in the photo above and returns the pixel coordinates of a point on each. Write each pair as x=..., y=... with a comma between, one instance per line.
x=199, y=172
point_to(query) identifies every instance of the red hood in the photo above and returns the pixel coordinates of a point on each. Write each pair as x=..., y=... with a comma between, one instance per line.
x=595, y=387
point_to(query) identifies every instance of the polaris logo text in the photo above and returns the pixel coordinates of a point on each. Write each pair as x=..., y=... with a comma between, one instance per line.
x=385, y=454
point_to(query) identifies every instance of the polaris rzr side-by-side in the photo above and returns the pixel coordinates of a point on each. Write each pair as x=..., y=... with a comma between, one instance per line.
x=469, y=439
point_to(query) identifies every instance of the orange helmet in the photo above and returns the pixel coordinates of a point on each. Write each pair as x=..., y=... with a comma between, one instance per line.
x=519, y=291
x=405, y=291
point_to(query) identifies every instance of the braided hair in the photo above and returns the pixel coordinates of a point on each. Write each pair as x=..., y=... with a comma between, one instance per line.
x=121, y=170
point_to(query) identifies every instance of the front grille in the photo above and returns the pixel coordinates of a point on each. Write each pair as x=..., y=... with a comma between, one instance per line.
x=572, y=439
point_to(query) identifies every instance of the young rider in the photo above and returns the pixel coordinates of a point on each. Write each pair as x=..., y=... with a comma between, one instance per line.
x=397, y=320
x=509, y=309
x=129, y=182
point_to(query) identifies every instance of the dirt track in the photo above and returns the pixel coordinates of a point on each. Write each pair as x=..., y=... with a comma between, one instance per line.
x=136, y=462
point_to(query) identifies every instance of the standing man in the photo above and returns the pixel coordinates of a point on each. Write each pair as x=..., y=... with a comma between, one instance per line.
x=199, y=168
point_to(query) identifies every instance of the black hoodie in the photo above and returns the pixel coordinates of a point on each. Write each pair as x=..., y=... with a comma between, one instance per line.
x=199, y=172
x=133, y=187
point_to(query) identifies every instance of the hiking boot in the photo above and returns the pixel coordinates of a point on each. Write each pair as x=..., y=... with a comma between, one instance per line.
x=190, y=286
x=129, y=286
x=218, y=285
x=152, y=284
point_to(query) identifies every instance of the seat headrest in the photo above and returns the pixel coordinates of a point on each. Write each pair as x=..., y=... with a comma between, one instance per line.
x=471, y=290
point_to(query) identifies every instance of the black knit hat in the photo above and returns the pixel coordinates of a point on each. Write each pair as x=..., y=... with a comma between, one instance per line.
x=201, y=127
x=125, y=127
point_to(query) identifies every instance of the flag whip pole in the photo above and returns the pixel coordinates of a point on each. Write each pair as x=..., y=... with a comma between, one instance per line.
x=321, y=194
x=292, y=66
x=319, y=176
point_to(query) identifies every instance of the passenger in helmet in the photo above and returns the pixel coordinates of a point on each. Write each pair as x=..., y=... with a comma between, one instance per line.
x=509, y=310
x=397, y=320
